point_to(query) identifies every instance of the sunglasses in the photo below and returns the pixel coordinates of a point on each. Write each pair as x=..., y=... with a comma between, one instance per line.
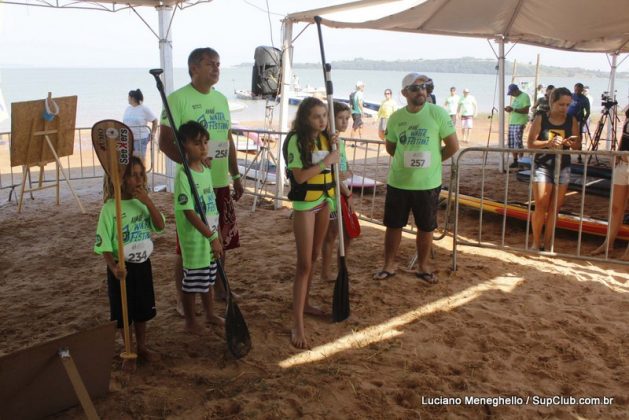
x=416, y=88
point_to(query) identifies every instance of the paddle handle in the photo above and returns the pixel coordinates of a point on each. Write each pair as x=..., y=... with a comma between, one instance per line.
x=115, y=180
x=329, y=90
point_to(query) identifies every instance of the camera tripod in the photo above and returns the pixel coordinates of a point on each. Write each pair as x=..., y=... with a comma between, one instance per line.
x=608, y=114
x=264, y=161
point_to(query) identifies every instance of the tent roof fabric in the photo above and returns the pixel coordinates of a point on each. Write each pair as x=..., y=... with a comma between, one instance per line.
x=575, y=25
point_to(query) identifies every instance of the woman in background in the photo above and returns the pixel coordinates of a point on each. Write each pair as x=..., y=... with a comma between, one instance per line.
x=137, y=117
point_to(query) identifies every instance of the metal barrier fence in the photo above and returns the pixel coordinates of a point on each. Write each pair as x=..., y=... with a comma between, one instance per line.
x=482, y=201
x=259, y=152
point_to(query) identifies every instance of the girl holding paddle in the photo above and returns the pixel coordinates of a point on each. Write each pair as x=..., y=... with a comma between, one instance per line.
x=309, y=156
x=342, y=114
x=140, y=217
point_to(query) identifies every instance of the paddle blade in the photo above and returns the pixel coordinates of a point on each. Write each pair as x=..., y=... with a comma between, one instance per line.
x=236, y=330
x=340, y=301
x=108, y=134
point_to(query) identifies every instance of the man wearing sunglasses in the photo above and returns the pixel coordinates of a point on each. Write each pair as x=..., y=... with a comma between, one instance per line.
x=414, y=137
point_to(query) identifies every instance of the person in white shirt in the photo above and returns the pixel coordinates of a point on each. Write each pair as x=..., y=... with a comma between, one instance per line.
x=137, y=117
x=452, y=104
x=468, y=109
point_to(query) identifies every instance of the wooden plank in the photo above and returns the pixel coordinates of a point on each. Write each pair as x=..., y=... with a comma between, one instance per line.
x=34, y=384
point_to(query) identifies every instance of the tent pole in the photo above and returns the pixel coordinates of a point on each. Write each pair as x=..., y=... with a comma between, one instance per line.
x=166, y=46
x=501, y=96
x=612, y=87
x=285, y=92
x=164, y=14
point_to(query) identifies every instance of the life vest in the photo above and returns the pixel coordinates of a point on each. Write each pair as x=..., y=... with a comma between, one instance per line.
x=315, y=187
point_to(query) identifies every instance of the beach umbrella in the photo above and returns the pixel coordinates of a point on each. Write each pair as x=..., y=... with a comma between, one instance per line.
x=236, y=330
x=113, y=144
x=340, y=300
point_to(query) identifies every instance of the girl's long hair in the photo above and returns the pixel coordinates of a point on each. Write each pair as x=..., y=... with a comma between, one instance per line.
x=108, y=186
x=301, y=127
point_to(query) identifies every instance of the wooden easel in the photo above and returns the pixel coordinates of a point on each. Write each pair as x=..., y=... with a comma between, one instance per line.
x=44, y=143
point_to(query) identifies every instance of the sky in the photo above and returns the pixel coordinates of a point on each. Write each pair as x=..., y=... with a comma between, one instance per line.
x=43, y=37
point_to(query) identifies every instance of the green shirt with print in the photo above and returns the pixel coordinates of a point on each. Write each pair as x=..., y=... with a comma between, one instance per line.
x=294, y=161
x=520, y=101
x=416, y=163
x=137, y=226
x=195, y=248
x=211, y=110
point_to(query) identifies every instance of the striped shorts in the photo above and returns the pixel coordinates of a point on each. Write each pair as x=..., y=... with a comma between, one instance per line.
x=199, y=280
x=516, y=133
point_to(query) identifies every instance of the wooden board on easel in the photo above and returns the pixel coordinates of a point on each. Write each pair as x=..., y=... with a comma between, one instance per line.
x=26, y=119
x=42, y=132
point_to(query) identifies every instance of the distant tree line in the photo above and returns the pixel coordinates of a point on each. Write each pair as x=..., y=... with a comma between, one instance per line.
x=468, y=65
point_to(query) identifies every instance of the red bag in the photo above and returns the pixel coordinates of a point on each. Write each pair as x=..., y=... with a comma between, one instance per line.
x=350, y=220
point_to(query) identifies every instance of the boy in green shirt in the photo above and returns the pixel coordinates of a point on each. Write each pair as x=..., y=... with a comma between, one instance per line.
x=200, y=244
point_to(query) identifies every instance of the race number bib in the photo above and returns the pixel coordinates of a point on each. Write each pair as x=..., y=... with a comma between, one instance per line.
x=417, y=160
x=212, y=221
x=318, y=156
x=218, y=149
x=138, y=252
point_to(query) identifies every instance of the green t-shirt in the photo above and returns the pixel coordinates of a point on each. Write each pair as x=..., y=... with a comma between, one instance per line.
x=520, y=101
x=212, y=112
x=195, y=248
x=137, y=226
x=320, y=151
x=416, y=164
x=343, y=165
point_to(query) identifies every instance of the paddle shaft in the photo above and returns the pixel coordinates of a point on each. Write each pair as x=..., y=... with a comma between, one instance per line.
x=186, y=167
x=329, y=89
x=115, y=180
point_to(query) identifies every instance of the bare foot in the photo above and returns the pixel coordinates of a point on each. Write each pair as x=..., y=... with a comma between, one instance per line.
x=215, y=320
x=601, y=250
x=148, y=356
x=194, y=329
x=313, y=310
x=326, y=277
x=298, y=340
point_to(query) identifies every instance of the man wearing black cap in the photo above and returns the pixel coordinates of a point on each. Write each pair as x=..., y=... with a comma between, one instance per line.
x=519, y=110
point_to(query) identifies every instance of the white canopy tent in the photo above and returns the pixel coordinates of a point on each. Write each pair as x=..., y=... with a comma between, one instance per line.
x=600, y=26
x=165, y=10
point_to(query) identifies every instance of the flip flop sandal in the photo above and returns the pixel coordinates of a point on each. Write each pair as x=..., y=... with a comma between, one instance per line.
x=383, y=275
x=429, y=278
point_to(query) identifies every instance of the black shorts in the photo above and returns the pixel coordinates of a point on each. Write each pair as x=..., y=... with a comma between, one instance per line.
x=424, y=204
x=140, y=294
x=358, y=121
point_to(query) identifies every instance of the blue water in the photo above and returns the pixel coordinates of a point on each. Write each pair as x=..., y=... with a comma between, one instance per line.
x=102, y=93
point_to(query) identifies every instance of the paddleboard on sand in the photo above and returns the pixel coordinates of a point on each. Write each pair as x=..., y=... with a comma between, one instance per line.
x=519, y=212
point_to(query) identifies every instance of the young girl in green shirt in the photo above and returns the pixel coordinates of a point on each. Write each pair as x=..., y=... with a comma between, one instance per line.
x=308, y=160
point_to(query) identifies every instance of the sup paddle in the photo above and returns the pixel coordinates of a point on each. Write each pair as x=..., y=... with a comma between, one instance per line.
x=113, y=144
x=340, y=301
x=236, y=331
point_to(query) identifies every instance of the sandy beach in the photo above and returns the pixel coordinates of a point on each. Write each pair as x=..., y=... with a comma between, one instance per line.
x=504, y=324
